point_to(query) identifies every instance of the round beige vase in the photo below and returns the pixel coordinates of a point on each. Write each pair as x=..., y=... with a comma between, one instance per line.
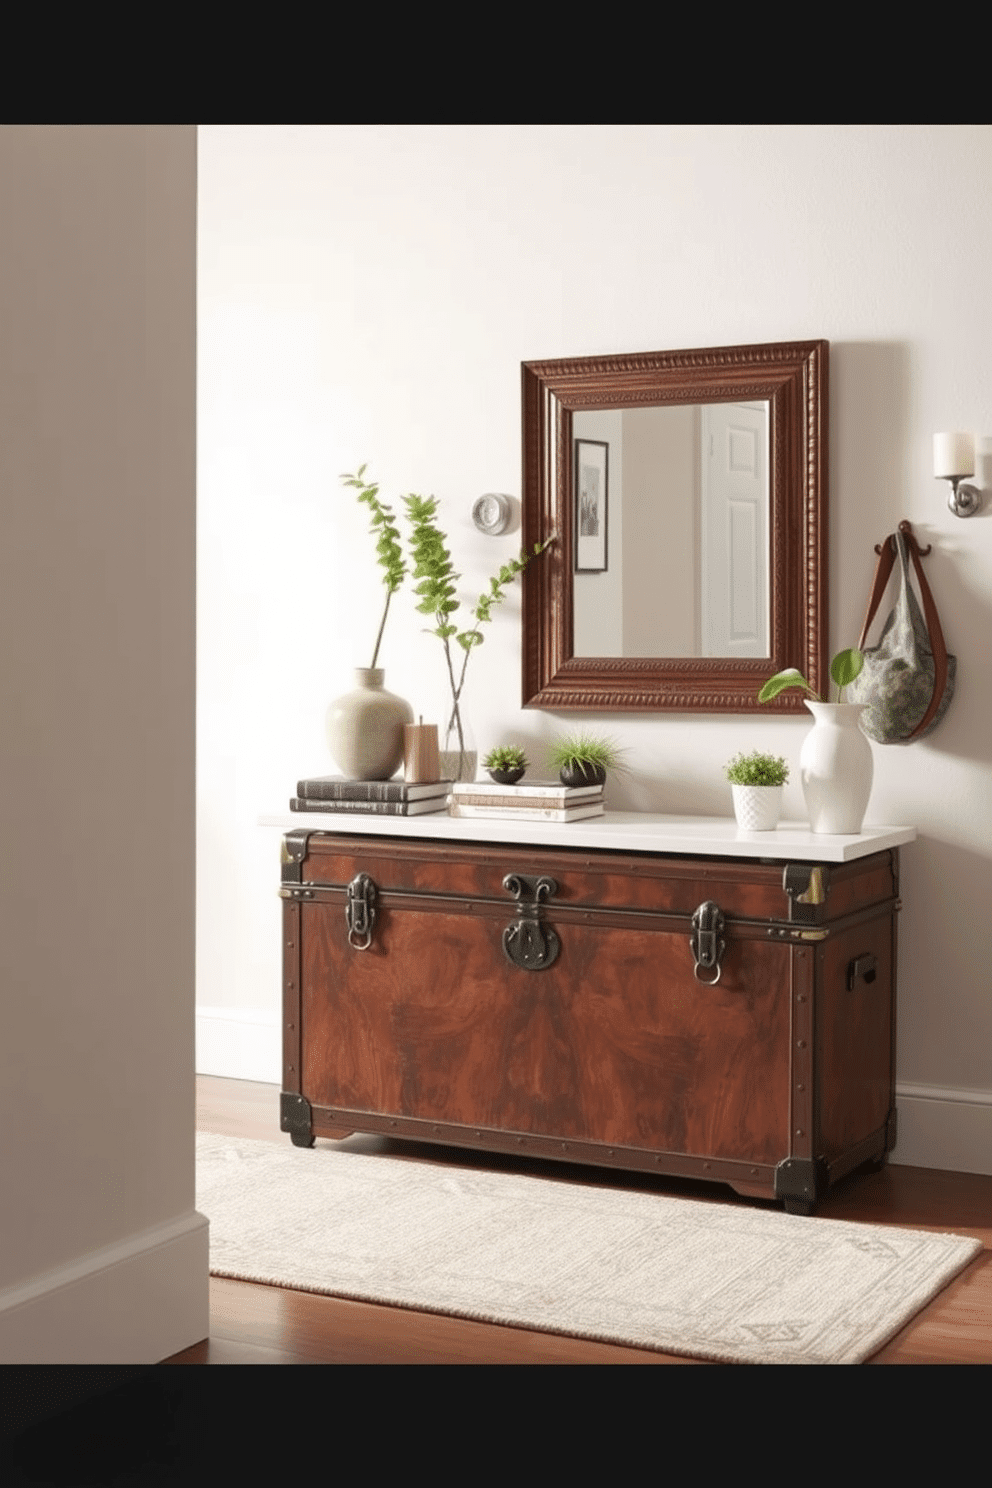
x=365, y=728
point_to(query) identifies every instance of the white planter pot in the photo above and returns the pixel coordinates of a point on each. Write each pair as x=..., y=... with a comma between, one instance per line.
x=365, y=728
x=836, y=768
x=757, y=807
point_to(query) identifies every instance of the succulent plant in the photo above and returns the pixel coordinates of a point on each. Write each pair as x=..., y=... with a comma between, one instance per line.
x=506, y=757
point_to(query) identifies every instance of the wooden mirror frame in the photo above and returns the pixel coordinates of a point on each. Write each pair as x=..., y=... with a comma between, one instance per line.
x=792, y=376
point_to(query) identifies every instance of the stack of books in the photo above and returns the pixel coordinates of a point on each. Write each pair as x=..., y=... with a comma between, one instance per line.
x=370, y=797
x=535, y=801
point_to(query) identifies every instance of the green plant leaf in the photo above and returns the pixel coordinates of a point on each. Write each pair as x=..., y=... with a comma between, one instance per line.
x=388, y=550
x=845, y=666
x=792, y=677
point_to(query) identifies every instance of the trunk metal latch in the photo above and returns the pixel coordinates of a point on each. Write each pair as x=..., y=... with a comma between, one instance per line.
x=706, y=942
x=359, y=911
x=528, y=942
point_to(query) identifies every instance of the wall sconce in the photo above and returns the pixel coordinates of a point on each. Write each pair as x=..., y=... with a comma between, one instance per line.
x=954, y=457
x=493, y=513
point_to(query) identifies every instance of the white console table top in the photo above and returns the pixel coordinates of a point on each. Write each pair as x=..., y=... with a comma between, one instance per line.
x=618, y=831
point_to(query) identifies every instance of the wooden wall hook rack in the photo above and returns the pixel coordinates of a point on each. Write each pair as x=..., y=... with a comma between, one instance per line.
x=906, y=529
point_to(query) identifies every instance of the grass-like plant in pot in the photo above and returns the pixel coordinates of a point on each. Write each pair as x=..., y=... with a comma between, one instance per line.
x=507, y=764
x=584, y=759
x=756, y=780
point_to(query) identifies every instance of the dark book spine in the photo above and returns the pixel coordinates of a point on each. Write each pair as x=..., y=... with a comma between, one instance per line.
x=351, y=790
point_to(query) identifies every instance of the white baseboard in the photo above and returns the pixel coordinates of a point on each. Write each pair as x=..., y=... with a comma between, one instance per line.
x=239, y=1044
x=944, y=1128
x=138, y=1301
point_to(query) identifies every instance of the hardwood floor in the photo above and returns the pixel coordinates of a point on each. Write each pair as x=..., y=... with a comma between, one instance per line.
x=271, y=1325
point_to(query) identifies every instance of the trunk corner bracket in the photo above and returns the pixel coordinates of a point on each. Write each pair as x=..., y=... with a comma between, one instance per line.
x=292, y=851
x=807, y=886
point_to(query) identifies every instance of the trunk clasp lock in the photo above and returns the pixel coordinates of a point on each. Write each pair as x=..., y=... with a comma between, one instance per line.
x=528, y=942
x=706, y=942
x=359, y=911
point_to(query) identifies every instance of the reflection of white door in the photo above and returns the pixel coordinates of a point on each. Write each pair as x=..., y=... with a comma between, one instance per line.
x=734, y=530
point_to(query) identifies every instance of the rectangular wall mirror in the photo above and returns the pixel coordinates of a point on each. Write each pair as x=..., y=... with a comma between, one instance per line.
x=688, y=492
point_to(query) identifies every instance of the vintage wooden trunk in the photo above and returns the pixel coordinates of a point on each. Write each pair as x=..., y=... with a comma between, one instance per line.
x=723, y=1018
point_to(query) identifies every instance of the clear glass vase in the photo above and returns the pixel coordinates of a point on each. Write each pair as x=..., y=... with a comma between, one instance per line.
x=456, y=740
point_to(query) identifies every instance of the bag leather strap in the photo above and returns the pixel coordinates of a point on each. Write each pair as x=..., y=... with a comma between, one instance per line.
x=883, y=569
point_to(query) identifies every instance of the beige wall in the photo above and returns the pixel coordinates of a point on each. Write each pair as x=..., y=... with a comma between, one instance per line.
x=367, y=293
x=101, y=1254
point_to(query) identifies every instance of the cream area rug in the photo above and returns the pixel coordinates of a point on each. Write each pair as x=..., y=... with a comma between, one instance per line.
x=728, y=1283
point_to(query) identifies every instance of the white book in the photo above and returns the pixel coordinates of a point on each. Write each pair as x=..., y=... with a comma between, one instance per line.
x=527, y=803
x=465, y=789
x=527, y=813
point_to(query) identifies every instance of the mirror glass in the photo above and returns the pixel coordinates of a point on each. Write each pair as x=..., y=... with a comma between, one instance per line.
x=686, y=492
x=671, y=514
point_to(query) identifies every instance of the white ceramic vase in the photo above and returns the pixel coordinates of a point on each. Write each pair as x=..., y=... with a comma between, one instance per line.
x=757, y=807
x=365, y=728
x=836, y=768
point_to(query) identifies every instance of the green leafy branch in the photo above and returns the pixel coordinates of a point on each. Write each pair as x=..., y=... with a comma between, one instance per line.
x=433, y=568
x=388, y=549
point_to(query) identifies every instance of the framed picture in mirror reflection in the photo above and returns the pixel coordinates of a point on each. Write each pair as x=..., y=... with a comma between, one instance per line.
x=592, y=496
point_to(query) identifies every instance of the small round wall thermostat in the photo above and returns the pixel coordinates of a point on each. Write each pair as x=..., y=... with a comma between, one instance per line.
x=491, y=513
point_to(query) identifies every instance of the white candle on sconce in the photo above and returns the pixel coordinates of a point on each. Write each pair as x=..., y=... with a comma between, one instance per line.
x=953, y=455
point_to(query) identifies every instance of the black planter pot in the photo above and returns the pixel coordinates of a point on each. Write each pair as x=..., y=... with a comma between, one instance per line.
x=582, y=775
x=507, y=777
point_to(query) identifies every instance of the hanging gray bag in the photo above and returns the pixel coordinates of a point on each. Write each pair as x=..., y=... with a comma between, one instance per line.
x=908, y=679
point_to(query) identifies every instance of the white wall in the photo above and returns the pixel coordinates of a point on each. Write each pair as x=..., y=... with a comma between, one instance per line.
x=367, y=293
x=102, y=1256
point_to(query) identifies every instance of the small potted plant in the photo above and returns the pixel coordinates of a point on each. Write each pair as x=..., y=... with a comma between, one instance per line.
x=583, y=759
x=756, y=781
x=506, y=764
